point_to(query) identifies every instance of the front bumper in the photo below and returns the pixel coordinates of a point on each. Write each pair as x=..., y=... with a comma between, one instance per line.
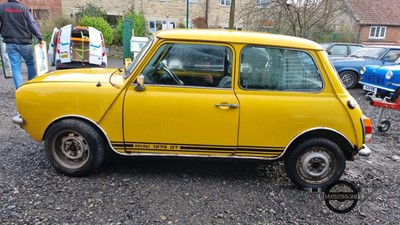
x=18, y=120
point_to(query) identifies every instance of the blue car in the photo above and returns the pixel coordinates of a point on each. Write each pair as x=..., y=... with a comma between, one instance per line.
x=349, y=67
x=384, y=81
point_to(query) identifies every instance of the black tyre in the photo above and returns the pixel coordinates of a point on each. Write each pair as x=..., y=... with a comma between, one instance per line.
x=349, y=79
x=315, y=163
x=384, y=126
x=74, y=147
x=396, y=94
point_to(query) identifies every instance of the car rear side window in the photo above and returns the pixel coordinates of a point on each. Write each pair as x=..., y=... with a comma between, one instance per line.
x=269, y=68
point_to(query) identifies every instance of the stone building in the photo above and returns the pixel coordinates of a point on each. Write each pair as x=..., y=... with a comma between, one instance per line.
x=162, y=14
x=43, y=9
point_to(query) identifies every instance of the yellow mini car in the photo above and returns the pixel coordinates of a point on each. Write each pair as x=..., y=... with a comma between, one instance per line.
x=202, y=93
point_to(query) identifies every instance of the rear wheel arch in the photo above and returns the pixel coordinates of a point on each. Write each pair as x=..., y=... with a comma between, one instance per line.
x=331, y=135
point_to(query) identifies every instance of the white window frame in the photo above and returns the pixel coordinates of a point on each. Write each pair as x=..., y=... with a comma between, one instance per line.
x=225, y=2
x=377, y=32
x=192, y=0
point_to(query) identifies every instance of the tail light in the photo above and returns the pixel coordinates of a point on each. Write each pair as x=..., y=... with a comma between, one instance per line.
x=103, y=46
x=367, y=123
x=59, y=42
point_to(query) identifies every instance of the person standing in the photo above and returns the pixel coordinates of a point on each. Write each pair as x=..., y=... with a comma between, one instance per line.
x=17, y=29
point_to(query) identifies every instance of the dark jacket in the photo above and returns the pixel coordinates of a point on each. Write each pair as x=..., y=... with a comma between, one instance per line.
x=17, y=23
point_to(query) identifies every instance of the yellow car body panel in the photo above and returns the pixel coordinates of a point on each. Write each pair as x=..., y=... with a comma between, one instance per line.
x=84, y=93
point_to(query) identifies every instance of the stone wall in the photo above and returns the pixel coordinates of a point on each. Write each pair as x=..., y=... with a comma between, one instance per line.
x=159, y=10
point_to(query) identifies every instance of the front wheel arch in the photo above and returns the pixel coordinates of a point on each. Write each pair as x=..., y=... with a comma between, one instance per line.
x=74, y=146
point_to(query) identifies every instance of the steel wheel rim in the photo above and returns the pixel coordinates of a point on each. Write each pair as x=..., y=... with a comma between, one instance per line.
x=316, y=166
x=71, y=150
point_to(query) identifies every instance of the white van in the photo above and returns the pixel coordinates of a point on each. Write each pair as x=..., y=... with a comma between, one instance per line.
x=76, y=47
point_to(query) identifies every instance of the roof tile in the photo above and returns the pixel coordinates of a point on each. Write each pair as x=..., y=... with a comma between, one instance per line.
x=376, y=12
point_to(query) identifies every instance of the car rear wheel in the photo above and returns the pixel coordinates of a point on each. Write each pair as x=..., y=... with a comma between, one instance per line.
x=349, y=79
x=74, y=147
x=315, y=163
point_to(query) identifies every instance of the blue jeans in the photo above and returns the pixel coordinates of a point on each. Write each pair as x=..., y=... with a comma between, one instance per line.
x=16, y=53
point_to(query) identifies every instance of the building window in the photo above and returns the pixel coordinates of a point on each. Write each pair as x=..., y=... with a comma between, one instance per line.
x=377, y=32
x=225, y=2
x=161, y=25
x=40, y=14
x=192, y=0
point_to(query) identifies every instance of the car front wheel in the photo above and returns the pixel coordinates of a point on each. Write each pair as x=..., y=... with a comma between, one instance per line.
x=315, y=163
x=349, y=79
x=74, y=147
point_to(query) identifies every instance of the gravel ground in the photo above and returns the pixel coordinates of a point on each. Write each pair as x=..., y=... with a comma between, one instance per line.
x=185, y=191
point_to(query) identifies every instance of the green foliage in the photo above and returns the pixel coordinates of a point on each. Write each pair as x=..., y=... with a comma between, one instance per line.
x=139, y=25
x=100, y=24
x=47, y=26
x=91, y=11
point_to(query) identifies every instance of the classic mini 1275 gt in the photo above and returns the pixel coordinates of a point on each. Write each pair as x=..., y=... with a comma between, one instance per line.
x=202, y=93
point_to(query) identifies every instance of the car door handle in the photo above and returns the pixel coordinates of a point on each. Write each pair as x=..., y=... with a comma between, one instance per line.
x=227, y=105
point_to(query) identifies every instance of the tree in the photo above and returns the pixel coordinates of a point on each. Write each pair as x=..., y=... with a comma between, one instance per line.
x=91, y=11
x=302, y=18
x=101, y=25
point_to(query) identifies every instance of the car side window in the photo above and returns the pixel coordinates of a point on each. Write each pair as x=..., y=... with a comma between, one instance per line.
x=269, y=68
x=188, y=64
x=338, y=50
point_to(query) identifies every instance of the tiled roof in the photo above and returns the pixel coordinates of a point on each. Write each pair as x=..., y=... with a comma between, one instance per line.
x=376, y=12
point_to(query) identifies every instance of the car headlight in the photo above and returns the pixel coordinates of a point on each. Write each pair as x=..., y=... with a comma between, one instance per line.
x=363, y=69
x=389, y=75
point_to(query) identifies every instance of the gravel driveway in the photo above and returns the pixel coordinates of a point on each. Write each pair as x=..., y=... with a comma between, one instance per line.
x=186, y=191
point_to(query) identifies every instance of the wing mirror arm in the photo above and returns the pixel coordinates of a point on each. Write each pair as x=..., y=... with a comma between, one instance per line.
x=140, y=83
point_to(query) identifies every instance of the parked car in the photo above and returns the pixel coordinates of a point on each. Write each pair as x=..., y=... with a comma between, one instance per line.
x=340, y=49
x=202, y=93
x=383, y=81
x=349, y=67
x=77, y=47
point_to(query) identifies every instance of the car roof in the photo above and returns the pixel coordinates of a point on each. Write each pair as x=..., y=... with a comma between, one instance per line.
x=242, y=37
x=382, y=46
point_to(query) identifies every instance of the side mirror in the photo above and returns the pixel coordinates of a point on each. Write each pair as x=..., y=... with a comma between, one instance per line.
x=140, y=83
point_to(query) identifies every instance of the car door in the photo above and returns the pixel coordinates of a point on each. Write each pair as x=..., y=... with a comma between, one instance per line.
x=183, y=115
x=52, y=46
x=95, y=47
x=278, y=85
x=63, y=52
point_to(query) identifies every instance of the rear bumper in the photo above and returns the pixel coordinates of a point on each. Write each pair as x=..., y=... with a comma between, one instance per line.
x=365, y=151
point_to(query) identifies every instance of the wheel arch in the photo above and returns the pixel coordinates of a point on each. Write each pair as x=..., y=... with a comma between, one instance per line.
x=82, y=119
x=326, y=133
